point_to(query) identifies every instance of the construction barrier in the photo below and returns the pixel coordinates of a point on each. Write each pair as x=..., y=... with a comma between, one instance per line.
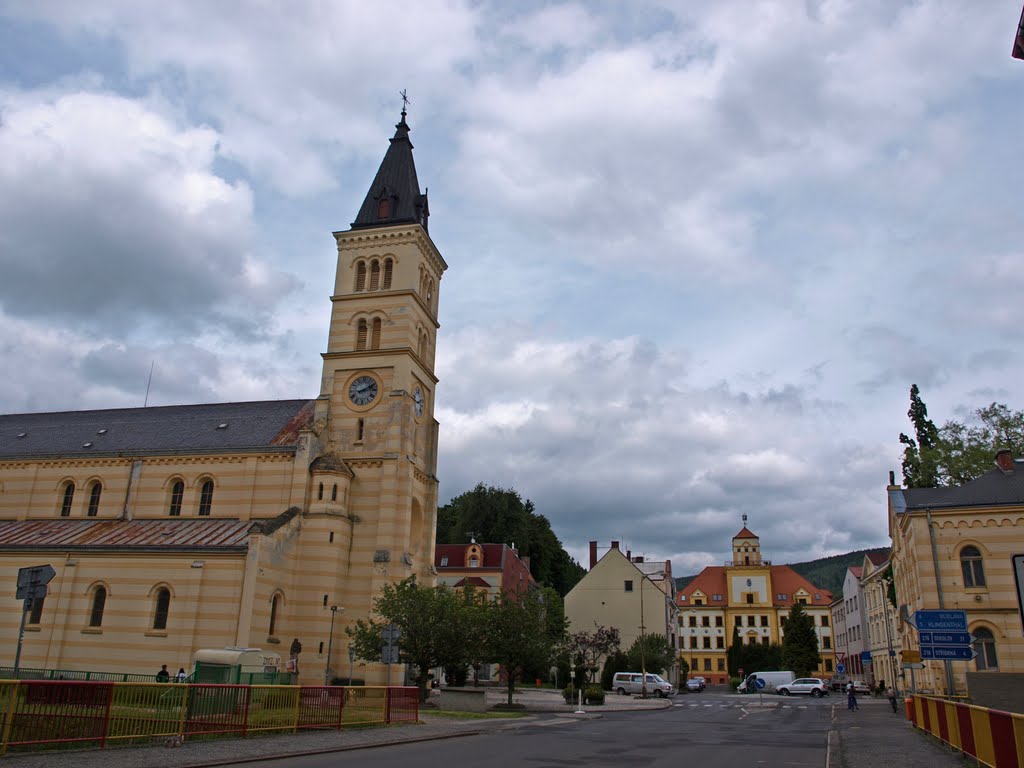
x=992, y=737
x=42, y=714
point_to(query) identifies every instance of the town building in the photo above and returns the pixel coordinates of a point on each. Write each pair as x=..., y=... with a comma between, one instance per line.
x=849, y=623
x=880, y=655
x=268, y=524
x=627, y=593
x=753, y=596
x=953, y=548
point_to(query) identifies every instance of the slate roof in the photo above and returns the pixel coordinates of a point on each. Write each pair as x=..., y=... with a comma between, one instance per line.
x=994, y=488
x=395, y=180
x=155, y=535
x=267, y=424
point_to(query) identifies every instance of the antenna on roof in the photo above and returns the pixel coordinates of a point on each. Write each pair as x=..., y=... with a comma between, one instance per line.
x=148, y=383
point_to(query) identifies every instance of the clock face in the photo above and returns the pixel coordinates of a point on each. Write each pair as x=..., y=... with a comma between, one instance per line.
x=417, y=398
x=363, y=390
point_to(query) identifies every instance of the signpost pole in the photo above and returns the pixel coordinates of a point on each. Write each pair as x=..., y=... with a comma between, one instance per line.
x=21, y=636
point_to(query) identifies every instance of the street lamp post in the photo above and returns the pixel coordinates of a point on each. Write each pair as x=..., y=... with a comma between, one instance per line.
x=330, y=645
x=888, y=632
x=351, y=661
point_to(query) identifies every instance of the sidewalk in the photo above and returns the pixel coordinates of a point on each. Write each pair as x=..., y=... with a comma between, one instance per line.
x=874, y=735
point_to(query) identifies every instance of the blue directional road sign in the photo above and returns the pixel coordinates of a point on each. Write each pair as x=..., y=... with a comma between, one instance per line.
x=946, y=638
x=948, y=652
x=938, y=620
x=759, y=684
x=840, y=668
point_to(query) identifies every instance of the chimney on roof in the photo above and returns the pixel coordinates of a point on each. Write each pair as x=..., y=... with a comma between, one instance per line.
x=629, y=554
x=638, y=559
x=615, y=546
x=593, y=554
x=892, y=477
x=1005, y=462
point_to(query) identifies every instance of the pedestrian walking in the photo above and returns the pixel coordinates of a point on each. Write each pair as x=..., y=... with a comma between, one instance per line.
x=891, y=694
x=851, y=698
x=163, y=675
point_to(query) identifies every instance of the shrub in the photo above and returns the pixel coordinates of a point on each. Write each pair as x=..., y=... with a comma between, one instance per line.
x=734, y=682
x=594, y=694
x=569, y=693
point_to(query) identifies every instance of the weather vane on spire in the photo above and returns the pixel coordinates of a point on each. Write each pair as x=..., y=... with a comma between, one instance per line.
x=744, y=521
x=405, y=100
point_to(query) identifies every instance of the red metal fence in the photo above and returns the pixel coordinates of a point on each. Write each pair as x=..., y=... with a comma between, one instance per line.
x=40, y=713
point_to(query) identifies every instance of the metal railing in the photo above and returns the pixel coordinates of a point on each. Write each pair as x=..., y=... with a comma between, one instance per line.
x=47, y=714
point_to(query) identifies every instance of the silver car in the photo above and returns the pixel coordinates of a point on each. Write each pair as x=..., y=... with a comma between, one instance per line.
x=814, y=686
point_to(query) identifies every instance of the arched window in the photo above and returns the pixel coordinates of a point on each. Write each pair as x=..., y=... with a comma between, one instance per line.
x=68, y=500
x=161, y=607
x=206, y=498
x=361, y=335
x=361, y=276
x=383, y=208
x=430, y=293
x=99, y=602
x=177, y=495
x=389, y=266
x=375, y=336
x=273, y=614
x=974, y=571
x=334, y=492
x=474, y=562
x=374, y=275
x=94, y=499
x=985, y=645
x=320, y=492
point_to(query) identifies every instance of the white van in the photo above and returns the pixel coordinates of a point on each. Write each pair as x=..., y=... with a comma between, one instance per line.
x=772, y=680
x=633, y=683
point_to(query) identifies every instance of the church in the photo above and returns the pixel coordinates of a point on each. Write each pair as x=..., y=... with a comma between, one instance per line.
x=247, y=524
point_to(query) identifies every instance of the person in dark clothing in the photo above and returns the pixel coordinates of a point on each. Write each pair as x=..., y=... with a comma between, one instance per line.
x=851, y=698
x=163, y=675
x=891, y=694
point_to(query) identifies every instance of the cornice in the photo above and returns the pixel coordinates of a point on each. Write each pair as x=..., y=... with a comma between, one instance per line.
x=372, y=239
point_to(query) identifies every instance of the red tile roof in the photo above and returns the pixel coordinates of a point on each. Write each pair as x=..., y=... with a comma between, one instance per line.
x=857, y=570
x=745, y=534
x=712, y=581
x=472, y=581
x=878, y=557
x=156, y=534
x=456, y=554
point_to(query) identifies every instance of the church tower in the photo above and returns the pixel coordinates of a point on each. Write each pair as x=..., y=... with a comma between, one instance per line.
x=374, y=482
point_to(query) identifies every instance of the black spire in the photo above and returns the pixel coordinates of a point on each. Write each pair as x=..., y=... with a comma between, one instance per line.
x=394, y=196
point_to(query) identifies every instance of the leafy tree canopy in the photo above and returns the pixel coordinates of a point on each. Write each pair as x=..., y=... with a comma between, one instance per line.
x=651, y=652
x=519, y=636
x=957, y=452
x=587, y=649
x=497, y=515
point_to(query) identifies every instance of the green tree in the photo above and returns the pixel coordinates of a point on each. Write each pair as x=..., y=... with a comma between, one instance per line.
x=657, y=654
x=586, y=649
x=800, y=642
x=617, y=661
x=517, y=635
x=501, y=516
x=433, y=622
x=957, y=452
x=733, y=657
x=758, y=656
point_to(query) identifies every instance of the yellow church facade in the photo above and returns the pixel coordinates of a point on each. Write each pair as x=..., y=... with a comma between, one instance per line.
x=250, y=524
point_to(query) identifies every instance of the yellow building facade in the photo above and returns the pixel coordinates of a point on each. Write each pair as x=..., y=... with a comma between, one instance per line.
x=173, y=529
x=753, y=596
x=953, y=548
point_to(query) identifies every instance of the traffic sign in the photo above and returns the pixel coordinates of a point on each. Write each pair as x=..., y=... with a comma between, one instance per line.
x=946, y=638
x=910, y=657
x=913, y=665
x=948, y=652
x=31, y=592
x=759, y=684
x=939, y=620
x=840, y=668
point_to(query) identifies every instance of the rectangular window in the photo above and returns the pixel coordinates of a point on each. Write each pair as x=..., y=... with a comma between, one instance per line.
x=707, y=665
x=826, y=642
x=739, y=621
x=698, y=601
x=751, y=621
x=707, y=643
x=720, y=642
x=693, y=642
x=764, y=621
x=444, y=560
x=828, y=665
x=705, y=621
x=718, y=621
x=765, y=640
x=693, y=621
x=824, y=621
x=721, y=665
x=750, y=598
x=627, y=585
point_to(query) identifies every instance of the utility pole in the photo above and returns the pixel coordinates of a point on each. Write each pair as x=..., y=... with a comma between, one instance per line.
x=643, y=659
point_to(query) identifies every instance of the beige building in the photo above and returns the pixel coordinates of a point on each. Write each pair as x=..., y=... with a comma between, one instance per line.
x=253, y=524
x=953, y=548
x=881, y=640
x=630, y=594
x=754, y=597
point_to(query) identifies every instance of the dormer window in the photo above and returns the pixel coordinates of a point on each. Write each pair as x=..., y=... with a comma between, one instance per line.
x=474, y=561
x=383, y=208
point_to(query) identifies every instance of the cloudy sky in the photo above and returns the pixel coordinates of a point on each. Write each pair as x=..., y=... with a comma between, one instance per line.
x=698, y=251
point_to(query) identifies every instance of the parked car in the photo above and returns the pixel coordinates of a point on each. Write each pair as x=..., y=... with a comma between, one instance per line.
x=633, y=683
x=696, y=684
x=861, y=687
x=814, y=686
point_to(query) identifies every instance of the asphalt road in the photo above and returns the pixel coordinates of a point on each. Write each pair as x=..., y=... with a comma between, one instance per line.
x=706, y=730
